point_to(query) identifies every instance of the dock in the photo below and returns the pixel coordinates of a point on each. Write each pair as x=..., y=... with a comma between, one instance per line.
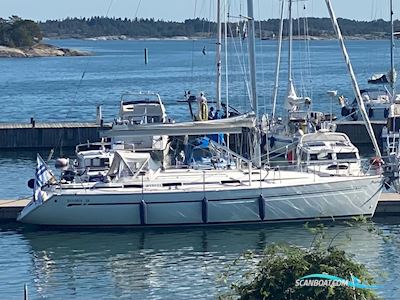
x=9, y=209
x=47, y=135
x=357, y=132
x=39, y=135
x=388, y=206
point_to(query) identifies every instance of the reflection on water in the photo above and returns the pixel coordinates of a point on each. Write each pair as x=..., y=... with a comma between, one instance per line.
x=157, y=264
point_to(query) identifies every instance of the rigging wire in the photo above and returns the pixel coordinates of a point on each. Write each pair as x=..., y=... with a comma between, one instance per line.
x=299, y=54
x=242, y=67
x=85, y=68
x=308, y=53
x=193, y=46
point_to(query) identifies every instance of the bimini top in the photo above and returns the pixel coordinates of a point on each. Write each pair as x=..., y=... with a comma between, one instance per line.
x=129, y=164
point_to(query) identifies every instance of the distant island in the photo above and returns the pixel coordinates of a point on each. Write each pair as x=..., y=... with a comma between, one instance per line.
x=124, y=28
x=22, y=38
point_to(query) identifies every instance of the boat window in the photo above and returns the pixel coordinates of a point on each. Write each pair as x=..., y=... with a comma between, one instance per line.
x=321, y=156
x=346, y=155
x=153, y=119
x=97, y=163
x=340, y=144
x=316, y=144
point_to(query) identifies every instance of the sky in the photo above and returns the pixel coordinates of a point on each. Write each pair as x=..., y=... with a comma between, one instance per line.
x=180, y=10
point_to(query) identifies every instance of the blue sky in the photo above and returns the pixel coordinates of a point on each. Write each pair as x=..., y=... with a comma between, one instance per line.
x=183, y=9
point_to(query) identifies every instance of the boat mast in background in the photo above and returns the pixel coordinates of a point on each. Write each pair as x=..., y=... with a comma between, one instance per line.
x=256, y=157
x=393, y=74
x=290, y=79
x=218, y=58
x=356, y=89
x=278, y=62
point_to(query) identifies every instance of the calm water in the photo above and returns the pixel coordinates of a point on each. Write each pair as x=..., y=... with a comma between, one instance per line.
x=156, y=264
x=168, y=264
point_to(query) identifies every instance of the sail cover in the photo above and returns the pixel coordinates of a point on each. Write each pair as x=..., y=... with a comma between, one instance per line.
x=229, y=125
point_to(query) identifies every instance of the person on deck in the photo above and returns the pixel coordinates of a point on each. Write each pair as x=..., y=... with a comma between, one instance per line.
x=211, y=113
x=203, y=107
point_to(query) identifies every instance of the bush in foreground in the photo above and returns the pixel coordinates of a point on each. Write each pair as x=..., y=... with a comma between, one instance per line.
x=274, y=276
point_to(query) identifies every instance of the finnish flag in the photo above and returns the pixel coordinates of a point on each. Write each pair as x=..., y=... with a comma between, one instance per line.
x=42, y=176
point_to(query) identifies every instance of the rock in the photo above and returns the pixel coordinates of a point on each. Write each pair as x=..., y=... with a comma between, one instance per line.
x=40, y=50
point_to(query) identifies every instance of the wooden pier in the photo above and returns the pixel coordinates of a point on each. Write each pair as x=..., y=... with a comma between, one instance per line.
x=388, y=206
x=36, y=135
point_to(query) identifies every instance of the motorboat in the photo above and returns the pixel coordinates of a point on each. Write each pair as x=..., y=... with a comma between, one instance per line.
x=138, y=110
x=377, y=100
x=92, y=163
x=328, y=153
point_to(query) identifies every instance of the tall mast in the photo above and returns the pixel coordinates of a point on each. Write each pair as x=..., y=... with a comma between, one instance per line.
x=256, y=157
x=219, y=50
x=353, y=79
x=252, y=59
x=392, y=68
x=290, y=44
x=278, y=62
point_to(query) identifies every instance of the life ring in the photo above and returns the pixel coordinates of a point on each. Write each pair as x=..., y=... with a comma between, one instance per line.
x=203, y=115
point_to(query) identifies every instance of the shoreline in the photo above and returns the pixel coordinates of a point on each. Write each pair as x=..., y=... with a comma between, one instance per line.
x=366, y=37
x=40, y=50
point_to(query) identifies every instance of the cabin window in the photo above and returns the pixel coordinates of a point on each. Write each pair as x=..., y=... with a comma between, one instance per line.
x=97, y=163
x=348, y=155
x=321, y=156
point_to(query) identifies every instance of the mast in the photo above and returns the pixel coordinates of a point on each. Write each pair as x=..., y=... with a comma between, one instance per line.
x=252, y=60
x=256, y=157
x=226, y=58
x=218, y=58
x=392, y=68
x=353, y=78
x=278, y=62
x=290, y=45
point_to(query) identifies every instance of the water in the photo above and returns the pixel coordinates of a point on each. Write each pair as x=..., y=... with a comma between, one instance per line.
x=156, y=264
x=159, y=264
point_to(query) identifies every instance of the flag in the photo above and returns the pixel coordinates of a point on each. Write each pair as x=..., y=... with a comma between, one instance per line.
x=42, y=176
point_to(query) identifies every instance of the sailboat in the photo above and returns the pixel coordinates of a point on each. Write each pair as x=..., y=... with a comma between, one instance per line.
x=138, y=193
x=284, y=133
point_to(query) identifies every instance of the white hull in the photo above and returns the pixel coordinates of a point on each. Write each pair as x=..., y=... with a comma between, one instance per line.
x=330, y=197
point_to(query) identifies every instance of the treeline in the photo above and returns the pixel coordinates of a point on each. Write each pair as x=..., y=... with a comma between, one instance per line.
x=15, y=32
x=136, y=28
